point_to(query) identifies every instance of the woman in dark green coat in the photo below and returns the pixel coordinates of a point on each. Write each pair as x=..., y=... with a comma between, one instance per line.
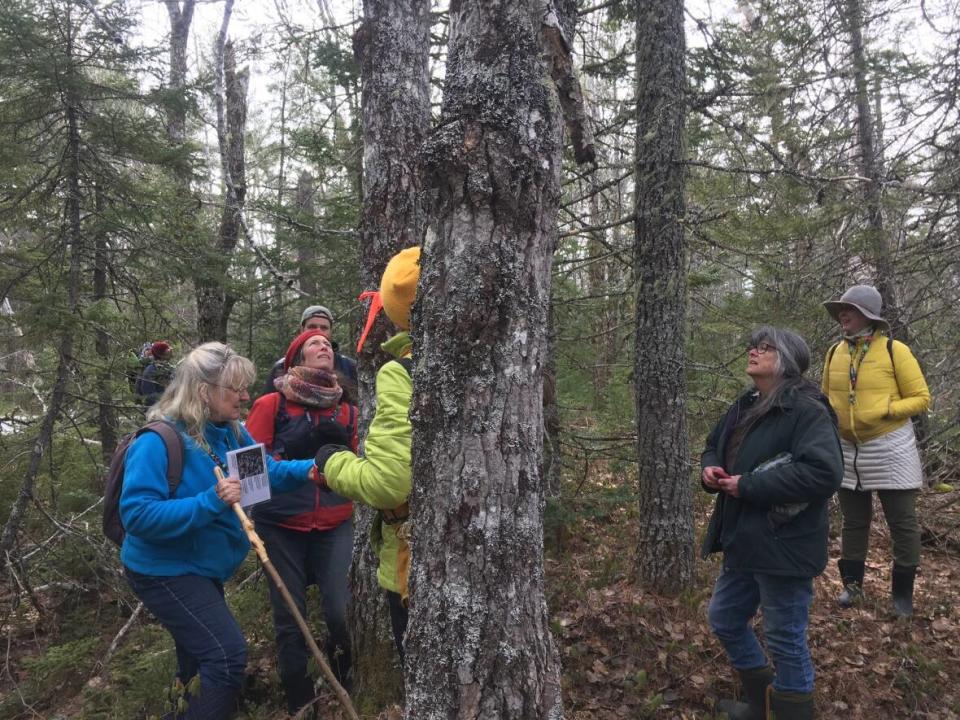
x=773, y=460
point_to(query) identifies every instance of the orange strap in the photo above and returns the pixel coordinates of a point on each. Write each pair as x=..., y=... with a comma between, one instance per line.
x=376, y=304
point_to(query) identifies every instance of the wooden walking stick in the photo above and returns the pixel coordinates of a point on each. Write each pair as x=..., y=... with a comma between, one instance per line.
x=261, y=551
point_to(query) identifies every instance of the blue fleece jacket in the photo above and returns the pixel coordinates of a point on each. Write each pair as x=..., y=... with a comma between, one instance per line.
x=192, y=533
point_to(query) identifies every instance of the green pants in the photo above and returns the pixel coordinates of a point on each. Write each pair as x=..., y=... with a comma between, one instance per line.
x=900, y=510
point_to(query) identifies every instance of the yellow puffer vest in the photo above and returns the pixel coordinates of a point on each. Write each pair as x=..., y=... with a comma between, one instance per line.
x=890, y=390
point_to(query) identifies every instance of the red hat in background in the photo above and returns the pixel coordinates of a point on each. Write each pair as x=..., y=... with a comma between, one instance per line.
x=160, y=348
x=297, y=343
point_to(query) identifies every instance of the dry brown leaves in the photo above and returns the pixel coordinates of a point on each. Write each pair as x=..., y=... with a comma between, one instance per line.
x=628, y=654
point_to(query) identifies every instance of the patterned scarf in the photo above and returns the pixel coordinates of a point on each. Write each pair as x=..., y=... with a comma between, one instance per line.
x=864, y=337
x=309, y=386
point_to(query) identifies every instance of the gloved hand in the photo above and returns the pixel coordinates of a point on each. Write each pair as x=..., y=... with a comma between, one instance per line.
x=329, y=432
x=324, y=453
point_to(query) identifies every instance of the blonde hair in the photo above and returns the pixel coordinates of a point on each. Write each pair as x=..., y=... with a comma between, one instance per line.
x=212, y=364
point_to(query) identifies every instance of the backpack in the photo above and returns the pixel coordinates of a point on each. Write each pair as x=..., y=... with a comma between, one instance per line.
x=172, y=439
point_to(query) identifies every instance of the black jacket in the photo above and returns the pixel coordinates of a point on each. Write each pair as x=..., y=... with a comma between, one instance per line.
x=750, y=531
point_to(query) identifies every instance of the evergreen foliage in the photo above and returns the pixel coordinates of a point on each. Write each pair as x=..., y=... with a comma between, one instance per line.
x=91, y=187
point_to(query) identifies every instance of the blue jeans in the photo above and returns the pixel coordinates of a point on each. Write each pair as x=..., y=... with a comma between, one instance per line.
x=322, y=557
x=785, y=602
x=208, y=639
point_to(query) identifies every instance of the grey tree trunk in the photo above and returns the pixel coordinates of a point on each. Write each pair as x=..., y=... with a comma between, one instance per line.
x=392, y=46
x=181, y=16
x=215, y=300
x=665, y=546
x=552, y=454
x=479, y=644
x=568, y=87
x=871, y=167
x=306, y=254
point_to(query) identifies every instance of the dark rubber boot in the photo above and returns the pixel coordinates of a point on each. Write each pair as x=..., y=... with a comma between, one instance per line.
x=791, y=706
x=903, y=590
x=851, y=572
x=753, y=694
x=210, y=703
x=298, y=690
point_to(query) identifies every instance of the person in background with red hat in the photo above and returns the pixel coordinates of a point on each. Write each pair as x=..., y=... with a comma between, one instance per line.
x=157, y=375
x=382, y=477
x=308, y=533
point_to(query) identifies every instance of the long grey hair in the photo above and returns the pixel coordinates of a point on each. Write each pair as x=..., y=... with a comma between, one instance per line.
x=213, y=365
x=792, y=361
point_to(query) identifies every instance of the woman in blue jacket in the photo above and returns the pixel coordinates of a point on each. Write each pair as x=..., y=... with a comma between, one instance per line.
x=773, y=460
x=179, y=550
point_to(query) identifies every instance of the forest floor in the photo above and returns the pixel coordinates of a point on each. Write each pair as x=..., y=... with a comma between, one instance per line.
x=629, y=654
x=626, y=653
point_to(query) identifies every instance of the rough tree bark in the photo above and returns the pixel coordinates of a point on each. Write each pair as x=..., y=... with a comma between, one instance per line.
x=871, y=167
x=478, y=643
x=181, y=16
x=306, y=254
x=215, y=301
x=665, y=547
x=392, y=47
x=578, y=124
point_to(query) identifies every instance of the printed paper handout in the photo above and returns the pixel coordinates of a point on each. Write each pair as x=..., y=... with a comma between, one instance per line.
x=250, y=465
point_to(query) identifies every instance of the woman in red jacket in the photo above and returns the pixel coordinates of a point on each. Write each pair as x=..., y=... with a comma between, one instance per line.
x=308, y=533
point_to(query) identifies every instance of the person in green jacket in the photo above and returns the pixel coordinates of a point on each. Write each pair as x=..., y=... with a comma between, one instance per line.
x=381, y=477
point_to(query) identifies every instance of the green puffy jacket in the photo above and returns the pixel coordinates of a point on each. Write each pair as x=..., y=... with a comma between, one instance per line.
x=381, y=478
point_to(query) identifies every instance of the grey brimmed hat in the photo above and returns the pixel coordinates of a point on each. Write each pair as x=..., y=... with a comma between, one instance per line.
x=316, y=311
x=864, y=298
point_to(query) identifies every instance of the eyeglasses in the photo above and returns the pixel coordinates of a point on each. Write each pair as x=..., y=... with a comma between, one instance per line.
x=238, y=390
x=761, y=347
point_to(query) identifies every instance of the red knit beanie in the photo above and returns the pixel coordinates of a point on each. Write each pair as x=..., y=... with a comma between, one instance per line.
x=297, y=343
x=159, y=349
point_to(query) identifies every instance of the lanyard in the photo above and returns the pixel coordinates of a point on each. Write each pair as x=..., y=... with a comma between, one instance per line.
x=856, y=358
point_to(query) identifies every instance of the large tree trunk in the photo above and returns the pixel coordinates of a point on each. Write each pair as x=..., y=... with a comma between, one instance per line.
x=215, y=301
x=479, y=643
x=180, y=19
x=871, y=167
x=665, y=552
x=392, y=46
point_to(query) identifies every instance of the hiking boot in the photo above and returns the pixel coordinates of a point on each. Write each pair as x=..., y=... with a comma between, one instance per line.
x=903, y=590
x=298, y=690
x=753, y=693
x=790, y=706
x=851, y=572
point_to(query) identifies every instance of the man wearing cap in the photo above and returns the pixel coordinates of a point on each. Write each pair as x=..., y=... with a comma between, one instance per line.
x=875, y=385
x=316, y=317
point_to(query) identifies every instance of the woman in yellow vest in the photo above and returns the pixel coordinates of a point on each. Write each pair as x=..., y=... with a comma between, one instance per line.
x=875, y=385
